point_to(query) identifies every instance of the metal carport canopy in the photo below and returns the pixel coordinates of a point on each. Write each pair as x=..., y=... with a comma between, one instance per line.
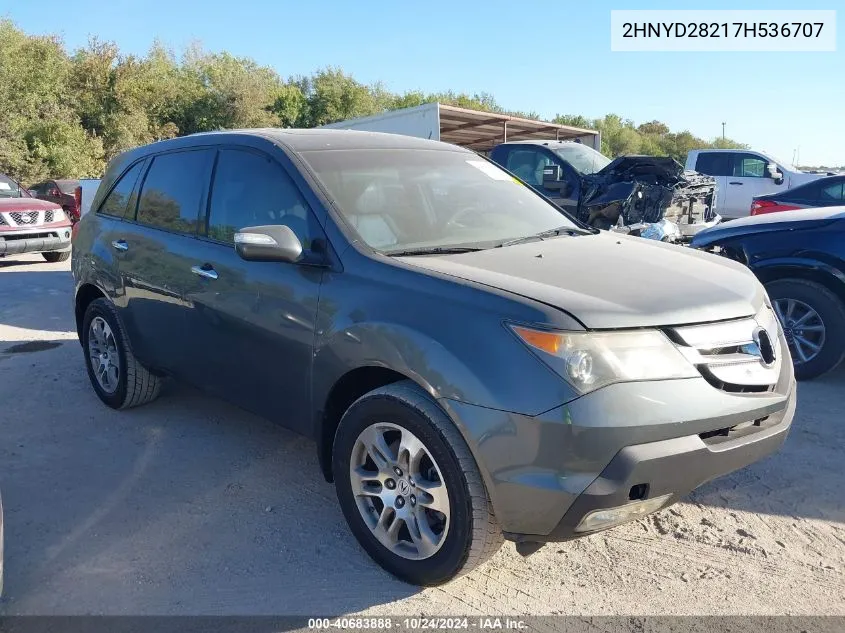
x=481, y=131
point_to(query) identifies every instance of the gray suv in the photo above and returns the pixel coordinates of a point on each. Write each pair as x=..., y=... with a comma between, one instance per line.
x=473, y=363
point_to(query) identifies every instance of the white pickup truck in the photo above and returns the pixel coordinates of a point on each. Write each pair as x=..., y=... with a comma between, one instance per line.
x=742, y=174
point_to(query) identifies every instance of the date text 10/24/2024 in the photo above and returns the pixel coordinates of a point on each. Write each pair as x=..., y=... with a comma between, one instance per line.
x=723, y=30
x=482, y=623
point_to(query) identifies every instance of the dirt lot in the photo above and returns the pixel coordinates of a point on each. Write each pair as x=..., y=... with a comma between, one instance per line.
x=189, y=506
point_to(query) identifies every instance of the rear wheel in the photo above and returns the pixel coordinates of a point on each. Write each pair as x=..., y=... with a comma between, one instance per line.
x=56, y=256
x=118, y=378
x=410, y=489
x=813, y=321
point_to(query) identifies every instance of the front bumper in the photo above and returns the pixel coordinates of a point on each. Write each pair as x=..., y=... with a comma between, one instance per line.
x=35, y=240
x=643, y=440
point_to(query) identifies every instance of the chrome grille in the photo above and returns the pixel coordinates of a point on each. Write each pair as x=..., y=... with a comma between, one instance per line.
x=741, y=356
x=26, y=218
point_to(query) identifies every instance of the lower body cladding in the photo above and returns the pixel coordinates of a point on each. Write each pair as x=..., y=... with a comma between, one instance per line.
x=35, y=240
x=619, y=453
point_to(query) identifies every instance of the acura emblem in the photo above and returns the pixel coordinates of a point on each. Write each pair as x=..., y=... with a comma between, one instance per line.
x=764, y=346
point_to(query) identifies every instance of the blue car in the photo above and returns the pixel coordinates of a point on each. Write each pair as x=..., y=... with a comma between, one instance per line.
x=800, y=258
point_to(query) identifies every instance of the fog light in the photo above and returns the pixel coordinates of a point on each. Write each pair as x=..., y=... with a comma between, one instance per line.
x=607, y=518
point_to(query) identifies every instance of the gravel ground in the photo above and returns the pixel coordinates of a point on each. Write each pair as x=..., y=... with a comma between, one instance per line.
x=190, y=506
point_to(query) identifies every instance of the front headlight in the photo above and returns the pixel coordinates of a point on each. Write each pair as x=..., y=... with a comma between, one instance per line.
x=59, y=215
x=591, y=360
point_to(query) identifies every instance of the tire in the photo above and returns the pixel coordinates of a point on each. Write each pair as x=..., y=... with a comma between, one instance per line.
x=831, y=314
x=56, y=256
x=473, y=534
x=134, y=385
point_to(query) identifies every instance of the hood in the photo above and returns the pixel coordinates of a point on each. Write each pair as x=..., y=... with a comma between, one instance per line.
x=780, y=221
x=26, y=204
x=612, y=281
x=627, y=167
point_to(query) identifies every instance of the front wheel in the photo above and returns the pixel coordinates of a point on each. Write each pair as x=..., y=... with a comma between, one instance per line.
x=410, y=489
x=813, y=321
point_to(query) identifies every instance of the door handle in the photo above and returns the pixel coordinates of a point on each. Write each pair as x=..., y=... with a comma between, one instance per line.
x=206, y=270
x=120, y=245
x=734, y=182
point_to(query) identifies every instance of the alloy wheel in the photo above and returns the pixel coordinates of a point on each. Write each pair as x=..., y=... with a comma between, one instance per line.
x=803, y=328
x=399, y=491
x=102, y=350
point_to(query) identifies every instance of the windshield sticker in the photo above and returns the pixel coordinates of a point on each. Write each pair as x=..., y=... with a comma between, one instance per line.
x=5, y=186
x=494, y=172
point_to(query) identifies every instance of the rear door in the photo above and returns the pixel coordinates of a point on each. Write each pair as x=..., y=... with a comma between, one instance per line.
x=157, y=252
x=717, y=165
x=252, y=323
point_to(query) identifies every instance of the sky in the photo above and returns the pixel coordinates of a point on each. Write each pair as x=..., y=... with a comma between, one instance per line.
x=554, y=58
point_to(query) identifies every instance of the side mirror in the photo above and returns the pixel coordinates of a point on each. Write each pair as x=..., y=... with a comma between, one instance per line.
x=774, y=173
x=272, y=243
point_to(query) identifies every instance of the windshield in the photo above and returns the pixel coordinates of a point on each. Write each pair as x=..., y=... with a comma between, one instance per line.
x=397, y=199
x=584, y=159
x=67, y=186
x=9, y=188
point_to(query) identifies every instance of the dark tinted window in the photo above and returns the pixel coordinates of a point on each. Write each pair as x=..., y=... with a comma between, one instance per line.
x=713, y=163
x=833, y=192
x=251, y=190
x=67, y=186
x=172, y=191
x=116, y=202
x=39, y=189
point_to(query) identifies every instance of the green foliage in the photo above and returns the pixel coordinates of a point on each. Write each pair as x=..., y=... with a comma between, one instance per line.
x=66, y=114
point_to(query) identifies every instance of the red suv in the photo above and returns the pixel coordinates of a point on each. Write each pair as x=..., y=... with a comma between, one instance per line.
x=29, y=225
x=62, y=192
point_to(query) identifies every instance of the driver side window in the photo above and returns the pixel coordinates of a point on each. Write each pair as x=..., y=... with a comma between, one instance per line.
x=749, y=166
x=252, y=190
x=528, y=165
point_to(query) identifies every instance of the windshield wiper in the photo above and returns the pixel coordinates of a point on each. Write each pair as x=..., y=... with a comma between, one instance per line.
x=561, y=230
x=434, y=250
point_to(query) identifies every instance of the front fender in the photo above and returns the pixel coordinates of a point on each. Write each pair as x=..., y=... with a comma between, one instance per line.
x=401, y=349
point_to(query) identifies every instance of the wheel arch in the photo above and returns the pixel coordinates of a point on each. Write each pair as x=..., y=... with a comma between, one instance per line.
x=85, y=294
x=823, y=274
x=346, y=390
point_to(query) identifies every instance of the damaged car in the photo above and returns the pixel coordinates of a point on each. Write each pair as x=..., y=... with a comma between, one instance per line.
x=647, y=196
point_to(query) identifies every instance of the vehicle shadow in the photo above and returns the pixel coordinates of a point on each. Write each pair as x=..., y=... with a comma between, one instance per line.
x=183, y=506
x=805, y=477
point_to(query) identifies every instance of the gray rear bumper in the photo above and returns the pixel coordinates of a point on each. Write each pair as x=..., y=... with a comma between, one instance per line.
x=35, y=240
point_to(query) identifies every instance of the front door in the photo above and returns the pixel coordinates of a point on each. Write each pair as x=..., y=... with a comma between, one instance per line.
x=748, y=178
x=252, y=323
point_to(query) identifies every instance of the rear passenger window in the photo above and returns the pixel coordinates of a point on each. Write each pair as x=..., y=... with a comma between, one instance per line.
x=173, y=190
x=251, y=190
x=714, y=163
x=833, y=193
x=117, y=201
